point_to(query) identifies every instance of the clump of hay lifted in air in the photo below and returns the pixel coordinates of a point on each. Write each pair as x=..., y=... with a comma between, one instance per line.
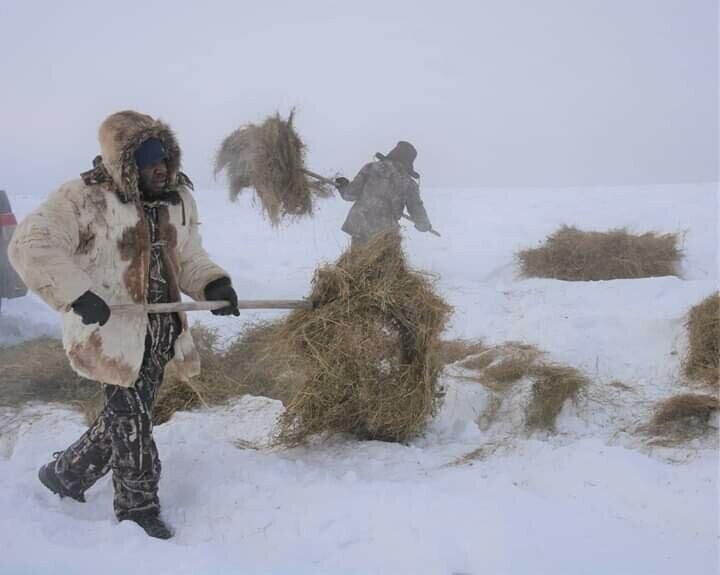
x=575, y=255
x=702, y=361
x=682, y=418
x=270, y=157
x=367, y=347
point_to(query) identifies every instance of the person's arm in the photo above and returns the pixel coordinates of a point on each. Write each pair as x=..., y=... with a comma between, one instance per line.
x=416, y=208
x=352, y=191
x=42, y=250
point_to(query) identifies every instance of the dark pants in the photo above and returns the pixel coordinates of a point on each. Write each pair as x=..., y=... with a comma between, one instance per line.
x=121, y=437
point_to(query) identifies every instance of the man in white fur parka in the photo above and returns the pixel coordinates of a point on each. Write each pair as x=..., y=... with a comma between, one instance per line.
x=125, y=232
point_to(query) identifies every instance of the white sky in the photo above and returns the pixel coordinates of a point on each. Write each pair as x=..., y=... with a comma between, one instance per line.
x=492, y=93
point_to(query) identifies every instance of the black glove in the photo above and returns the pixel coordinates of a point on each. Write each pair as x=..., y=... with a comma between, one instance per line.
x=423, y=226
x=341, y=182
x=91, y=308
x=220, y=289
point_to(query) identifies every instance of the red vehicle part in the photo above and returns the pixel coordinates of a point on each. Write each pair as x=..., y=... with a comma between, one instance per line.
x=10, y=283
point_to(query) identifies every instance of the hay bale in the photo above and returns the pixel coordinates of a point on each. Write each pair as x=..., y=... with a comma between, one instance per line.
x=702, y=361
x=575, y=255
x=270, y=157
x=683, y=417
x=367, y=348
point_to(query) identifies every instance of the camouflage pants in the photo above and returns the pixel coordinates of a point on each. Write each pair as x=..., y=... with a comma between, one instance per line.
x=121, y=437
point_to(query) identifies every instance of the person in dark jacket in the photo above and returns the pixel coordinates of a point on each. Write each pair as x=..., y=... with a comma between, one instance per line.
x=382, y=191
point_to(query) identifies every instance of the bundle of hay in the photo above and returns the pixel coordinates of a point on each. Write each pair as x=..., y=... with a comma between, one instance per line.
x=575, y=255
x=683, y=418
x=270, y=157
x=367, y=348
x=702, y=361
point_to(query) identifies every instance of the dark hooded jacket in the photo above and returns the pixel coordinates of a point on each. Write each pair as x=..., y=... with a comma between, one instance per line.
x=382, y=191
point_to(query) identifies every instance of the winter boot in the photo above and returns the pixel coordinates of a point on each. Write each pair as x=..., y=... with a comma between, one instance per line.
x=48, y=477
x=153, y=525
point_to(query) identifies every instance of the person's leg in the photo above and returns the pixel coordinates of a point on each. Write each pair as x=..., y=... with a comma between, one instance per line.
x=135, y=461
x=79, y=466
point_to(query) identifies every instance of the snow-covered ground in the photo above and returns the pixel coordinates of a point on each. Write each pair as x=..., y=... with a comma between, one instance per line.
x=591, y=499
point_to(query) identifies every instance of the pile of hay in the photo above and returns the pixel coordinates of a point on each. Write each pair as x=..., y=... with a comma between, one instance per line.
x=702, y=361
x=683, y=418
x=270, y=157
x=367, y=348
x=574, y=255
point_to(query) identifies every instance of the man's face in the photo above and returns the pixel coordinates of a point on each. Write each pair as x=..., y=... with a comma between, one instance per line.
x=153, y=177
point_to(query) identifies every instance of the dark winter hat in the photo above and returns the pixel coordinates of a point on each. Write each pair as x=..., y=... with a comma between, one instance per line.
x=403, y=152
x=150, y=151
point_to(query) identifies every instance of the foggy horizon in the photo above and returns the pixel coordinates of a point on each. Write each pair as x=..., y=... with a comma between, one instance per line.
x=493, y=94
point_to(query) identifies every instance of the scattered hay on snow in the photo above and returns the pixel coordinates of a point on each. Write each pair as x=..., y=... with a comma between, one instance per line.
x=702, y=361
x=553, y=385
x=454, y=350
x=368, y=347
x=270, y=157
x=505, y=364
x=575, y=255
x=499, y=368
x=682, y=418
x=38, y=370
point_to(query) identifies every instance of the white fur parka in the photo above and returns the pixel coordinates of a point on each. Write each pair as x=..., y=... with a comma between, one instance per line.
x=91, y=234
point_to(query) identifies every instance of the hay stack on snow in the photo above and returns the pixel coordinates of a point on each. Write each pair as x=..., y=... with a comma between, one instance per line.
x=575, y=255
x=702, y=361
x=270, y=157
x=367, y=348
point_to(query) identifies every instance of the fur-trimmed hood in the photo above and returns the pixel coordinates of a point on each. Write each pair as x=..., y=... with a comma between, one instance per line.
x=120, y=135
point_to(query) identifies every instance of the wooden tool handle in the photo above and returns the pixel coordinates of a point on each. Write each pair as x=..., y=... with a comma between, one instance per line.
x=320, y=178
x=177, y=306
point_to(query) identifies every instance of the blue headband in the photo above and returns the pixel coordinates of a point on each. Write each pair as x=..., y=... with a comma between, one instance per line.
x=149, y=152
